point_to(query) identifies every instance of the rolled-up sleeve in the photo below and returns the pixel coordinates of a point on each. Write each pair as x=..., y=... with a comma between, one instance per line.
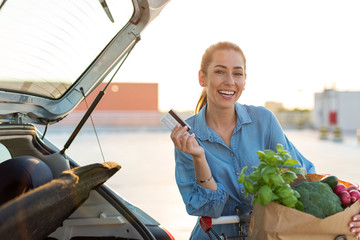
x=199, y=201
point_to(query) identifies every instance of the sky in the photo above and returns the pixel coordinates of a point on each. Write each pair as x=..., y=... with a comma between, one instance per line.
x=293, y=49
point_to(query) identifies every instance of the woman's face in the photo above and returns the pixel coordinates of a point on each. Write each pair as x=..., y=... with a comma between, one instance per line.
x=225, y=79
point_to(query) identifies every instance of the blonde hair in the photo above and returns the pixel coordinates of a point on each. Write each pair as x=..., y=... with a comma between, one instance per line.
x=206, y=60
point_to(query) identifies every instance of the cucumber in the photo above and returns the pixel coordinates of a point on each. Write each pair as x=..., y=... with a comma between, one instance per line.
x=332, y=181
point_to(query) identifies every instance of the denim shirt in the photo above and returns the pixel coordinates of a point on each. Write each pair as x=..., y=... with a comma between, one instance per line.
x=256, y=129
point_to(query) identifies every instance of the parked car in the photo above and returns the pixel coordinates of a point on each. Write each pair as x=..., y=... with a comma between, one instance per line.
x=52, y=55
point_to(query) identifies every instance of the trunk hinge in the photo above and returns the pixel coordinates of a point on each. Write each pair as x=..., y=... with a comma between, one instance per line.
x=19, y=118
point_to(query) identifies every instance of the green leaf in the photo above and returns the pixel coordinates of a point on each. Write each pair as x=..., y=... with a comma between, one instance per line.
x=275, y=197
x=265, y=178
x=261, y=165
x=275, y=160
x=244, y=169
x=285, y=191
x=297, y=170
x=268, y=169
x=299, y=206
x=256, y=187
x=269, y=153
x=296, y=194
x=242, y=174
x=289, y=201
x=279, y=147
x=265, y=194
x=261, y=155
x=276, y=179
x=256, y=200
x=290, y=162
x=249, y=186
x=255, y=175
x=289, y=175
x=286, y=155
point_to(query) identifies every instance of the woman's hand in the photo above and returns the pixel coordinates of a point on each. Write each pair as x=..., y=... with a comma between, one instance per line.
x=185, y=142
x=355, y=225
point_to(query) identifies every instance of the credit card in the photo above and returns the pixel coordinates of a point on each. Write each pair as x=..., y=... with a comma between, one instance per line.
x=171, y=119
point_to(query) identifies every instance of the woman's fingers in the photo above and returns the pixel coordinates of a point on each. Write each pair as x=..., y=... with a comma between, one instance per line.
x=177, y=135
x=185, y=142
x=193, y=147
x=189, y=141
x=355, y=225
x=355, y=230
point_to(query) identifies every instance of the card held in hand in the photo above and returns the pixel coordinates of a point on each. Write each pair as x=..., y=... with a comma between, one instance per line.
x=171, y=119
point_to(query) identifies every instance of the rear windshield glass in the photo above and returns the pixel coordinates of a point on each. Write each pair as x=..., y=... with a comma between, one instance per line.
x=45, y=45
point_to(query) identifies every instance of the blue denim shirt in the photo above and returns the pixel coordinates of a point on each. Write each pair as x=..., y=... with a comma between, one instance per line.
x=256, y=129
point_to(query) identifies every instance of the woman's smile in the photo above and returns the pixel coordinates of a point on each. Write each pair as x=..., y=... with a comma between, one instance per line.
x=226, y=93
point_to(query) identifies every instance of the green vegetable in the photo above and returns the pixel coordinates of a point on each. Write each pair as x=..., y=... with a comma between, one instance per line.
x=270, y=179
x=332, y=181
x=318, y=199
x=265, y=195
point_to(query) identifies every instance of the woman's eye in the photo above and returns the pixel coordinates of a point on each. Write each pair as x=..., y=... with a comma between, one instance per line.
x=219, y=72
x=238, y=74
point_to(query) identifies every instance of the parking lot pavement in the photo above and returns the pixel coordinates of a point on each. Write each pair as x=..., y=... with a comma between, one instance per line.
x=341, y=159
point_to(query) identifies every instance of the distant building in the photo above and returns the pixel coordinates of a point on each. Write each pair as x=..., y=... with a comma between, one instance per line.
x=289, y=117
x=126, y=104
x=337, y=108
x=125, y=97
x=274, y=106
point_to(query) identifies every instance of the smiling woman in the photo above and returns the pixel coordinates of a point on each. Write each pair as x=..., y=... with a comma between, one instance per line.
x=224, y=138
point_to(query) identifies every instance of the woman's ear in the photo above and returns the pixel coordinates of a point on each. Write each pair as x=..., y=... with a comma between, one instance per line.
x=202, y=81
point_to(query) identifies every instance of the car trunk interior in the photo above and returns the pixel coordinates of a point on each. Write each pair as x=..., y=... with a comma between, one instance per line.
x=67, y=207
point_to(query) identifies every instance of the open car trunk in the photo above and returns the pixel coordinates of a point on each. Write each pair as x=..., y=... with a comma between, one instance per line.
x=53, y=54
x=41, y=211
x=75, y=203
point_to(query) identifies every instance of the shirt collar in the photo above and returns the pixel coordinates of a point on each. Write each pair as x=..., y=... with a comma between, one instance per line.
x=204, y=132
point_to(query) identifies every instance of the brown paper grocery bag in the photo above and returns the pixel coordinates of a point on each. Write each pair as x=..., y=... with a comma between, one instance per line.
x=278, y=222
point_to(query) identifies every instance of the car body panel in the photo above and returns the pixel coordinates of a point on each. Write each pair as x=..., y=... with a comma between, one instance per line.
x=27, y=107
x=80, y=209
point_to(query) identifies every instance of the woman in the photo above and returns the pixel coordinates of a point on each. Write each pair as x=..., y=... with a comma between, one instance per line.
x=224, y=137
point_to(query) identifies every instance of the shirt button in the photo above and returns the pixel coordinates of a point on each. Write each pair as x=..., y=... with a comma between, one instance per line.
x=232, y=154
x=237, y=172
x=242, y=191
